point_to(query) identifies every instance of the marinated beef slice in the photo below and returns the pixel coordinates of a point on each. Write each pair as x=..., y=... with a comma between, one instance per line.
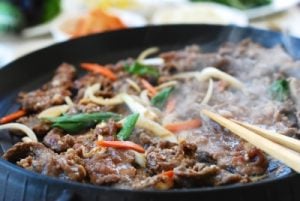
x=52, y=93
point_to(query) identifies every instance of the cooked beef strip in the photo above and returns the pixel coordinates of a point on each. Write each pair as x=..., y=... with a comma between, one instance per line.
x=58, y=141
x=110, y=166
x=159, y=181
x=165, y=155
x=201, y=174
x=191, y=175
x=52, y=93
x=249, y=60
x=21, y=150
x=38, y=158
x=218, y=146
x=88, y=108
x=191, y=59
x=205, y=157
x=72, y=166
x=178, y=61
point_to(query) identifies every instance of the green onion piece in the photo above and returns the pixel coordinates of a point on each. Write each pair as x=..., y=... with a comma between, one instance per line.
x=143, y=70
x=78, y=122
x=280, y=90
x=128, y=127
x=161, y=98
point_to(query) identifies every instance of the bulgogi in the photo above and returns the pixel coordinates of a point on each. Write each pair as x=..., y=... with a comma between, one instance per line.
x=138, y=123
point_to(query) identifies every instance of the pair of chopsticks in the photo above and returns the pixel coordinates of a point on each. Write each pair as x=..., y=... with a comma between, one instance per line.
x=281, y=147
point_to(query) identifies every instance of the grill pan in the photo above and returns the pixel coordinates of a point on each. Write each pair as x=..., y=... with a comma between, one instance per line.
x=31, y=71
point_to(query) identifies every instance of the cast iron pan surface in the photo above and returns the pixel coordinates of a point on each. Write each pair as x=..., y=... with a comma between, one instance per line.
x=33, y=70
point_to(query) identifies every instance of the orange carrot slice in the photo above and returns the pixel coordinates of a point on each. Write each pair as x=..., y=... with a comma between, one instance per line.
x=13, y=116
x=121, y=145
x=151, y=89
x=96, y=68
x=169, y=173
x=186, y=125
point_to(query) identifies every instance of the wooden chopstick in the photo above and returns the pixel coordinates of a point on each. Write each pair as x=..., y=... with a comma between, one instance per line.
x=290, y=157
x=275, y=137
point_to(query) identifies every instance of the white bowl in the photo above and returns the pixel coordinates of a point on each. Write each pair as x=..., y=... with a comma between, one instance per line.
x=199, y=13
x=62, y=26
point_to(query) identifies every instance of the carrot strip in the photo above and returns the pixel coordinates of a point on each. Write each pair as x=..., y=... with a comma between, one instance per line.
x=121, y=145
x=149, y=87
x=170, y=107
x=169, y=173
x=186, y=125
x=12, y=116
x=96, y=68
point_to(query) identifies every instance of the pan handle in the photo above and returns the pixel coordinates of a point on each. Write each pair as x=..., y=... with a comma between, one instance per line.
x=66, y=195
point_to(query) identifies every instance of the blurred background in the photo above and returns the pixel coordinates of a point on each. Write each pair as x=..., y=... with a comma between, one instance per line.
x=28, y=25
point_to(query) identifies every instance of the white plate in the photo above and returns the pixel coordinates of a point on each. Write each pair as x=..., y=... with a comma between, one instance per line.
x=6, y=55
x=67, y=22
x=274, y=7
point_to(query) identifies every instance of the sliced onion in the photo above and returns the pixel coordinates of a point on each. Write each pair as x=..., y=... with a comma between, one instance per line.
x=144, y=96
x=69, y=101
x=167, y=84
x=209, y=92
x=89, y=90
x=90, y=93
x=16, y=126
x=106, y=101
x=139, y=100
x=54, y=111
x=140, y=159
x=144, y=54
x=156, y=61
x=211, y=72
x=156, y=129
x=133, y=84
x=27, y=139
x=137, y=107
x=185, y=75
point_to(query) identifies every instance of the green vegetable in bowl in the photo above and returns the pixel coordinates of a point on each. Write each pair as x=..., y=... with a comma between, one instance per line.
x=240, y=4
